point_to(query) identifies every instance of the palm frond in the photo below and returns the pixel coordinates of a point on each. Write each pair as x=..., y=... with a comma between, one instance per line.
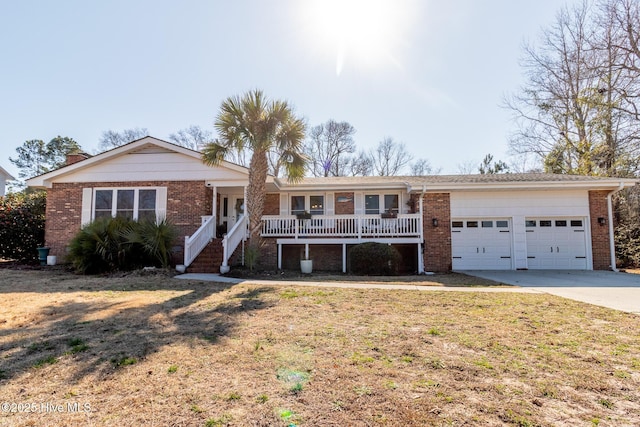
x=295, y=165
x=214, y=153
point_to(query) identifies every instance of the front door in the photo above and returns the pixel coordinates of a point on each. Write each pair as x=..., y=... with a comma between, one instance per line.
x=237, y=209
x=231, y=208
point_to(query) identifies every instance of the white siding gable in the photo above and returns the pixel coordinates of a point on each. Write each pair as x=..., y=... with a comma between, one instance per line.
x=152, y=165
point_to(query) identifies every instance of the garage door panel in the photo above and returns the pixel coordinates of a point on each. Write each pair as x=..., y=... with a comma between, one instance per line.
x=481, y=244
x=556, y=243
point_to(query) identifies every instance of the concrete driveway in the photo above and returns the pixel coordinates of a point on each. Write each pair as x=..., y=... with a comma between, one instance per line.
x=620, y=291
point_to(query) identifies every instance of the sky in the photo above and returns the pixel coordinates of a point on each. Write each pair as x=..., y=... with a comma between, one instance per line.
x=428, y=73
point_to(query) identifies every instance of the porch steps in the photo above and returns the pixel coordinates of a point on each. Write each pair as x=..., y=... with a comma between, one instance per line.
x=209, y=260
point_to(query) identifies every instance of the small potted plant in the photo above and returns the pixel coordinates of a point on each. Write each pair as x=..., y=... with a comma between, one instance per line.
x=303, y=215
x=389, y=214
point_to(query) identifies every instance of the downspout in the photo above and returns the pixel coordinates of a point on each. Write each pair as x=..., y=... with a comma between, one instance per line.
x=421, y=246
x=612, y=244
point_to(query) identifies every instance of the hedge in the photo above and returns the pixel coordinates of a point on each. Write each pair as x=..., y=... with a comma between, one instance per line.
x=22, y=225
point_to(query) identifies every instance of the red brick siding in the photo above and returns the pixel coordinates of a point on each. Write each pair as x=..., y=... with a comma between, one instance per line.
x=437, y=240
x=187, y=201
x=272, y=204
x=599, y=233
x=268, y=258
x=325, y=257
x=344, y=208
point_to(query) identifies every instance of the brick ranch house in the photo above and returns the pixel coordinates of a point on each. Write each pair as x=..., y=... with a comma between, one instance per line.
x=438, y=223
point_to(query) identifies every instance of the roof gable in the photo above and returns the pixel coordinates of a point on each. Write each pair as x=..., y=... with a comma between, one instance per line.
x=6, y=175
x=145, y=159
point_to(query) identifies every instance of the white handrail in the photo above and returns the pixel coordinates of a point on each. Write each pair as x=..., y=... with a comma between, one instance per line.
x=354, y=226
x=195, y=243
x=232, y=239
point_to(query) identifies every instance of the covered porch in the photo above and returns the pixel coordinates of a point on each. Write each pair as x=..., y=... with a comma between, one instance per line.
x=344, y=231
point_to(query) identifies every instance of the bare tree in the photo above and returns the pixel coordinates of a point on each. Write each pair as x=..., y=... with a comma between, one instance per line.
x=390, y=157
x=361, y=164
x=624, y=16
x=193, y=137
x=423, y=167
x=468, y=168
x=573, y=112
x=112, y=139
x=328, y=147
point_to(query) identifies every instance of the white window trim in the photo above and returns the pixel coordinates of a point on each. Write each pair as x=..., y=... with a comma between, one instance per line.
x=382, y=208
x=307, y=202
x=160, y=201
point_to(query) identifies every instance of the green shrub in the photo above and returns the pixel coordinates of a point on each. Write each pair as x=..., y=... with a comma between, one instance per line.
x=22, y=225
x=251, y=255
x=375, y=259
x=110, y=244
x=154, y=240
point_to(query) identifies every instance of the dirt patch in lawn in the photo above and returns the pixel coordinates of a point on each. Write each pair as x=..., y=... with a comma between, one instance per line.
x=152, y=350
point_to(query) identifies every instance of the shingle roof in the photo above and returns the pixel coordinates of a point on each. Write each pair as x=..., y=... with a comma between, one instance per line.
x=416, y=182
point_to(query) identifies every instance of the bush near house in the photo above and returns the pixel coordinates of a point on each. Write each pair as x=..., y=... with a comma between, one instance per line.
x=22, y=225
x=111, y=244
x=374, y=259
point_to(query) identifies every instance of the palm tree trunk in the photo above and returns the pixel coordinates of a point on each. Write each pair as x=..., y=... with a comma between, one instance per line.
x=256, y=193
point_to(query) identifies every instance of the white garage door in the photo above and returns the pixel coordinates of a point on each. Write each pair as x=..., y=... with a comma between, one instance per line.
x=556, y=243
x=481, y=244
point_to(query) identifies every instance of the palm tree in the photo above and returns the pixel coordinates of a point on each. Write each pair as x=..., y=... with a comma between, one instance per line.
x=253, y=122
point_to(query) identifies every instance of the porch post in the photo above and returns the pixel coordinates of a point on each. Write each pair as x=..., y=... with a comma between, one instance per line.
x=420, y=259
x=279, y=256
x=344, y=257
x=244, y=196
x=214, y=210
x=422, y=242
x=214, y=203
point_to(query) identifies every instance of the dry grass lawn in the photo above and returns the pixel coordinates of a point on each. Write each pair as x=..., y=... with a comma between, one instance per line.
x=151, y=350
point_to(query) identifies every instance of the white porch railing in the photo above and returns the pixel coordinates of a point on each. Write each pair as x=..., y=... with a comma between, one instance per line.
x=232, y=239
x=195, y=243
x=349, y=226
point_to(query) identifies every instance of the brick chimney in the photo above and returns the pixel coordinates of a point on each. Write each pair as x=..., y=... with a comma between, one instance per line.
x=76, y=157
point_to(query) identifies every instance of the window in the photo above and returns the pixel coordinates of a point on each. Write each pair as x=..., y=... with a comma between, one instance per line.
x=487, y=224
x=576, y=223
x=502, y=224
x=472, y=224
x=104, y=204
x=372, y=203
x=545, y=223
x=391, y=203
x=313, y=204
x=147, y=205
x=297, y=205
x=456, y=224
x=530, y=223
x=129, y=203
x=316, y=205
x=561, y=223
x=124, y=206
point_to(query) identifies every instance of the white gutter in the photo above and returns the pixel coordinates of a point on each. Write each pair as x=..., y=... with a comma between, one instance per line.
x=421, y=221
x=612, y=244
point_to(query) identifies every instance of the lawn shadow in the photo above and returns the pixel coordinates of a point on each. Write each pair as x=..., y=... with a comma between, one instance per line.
x=104, y=335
